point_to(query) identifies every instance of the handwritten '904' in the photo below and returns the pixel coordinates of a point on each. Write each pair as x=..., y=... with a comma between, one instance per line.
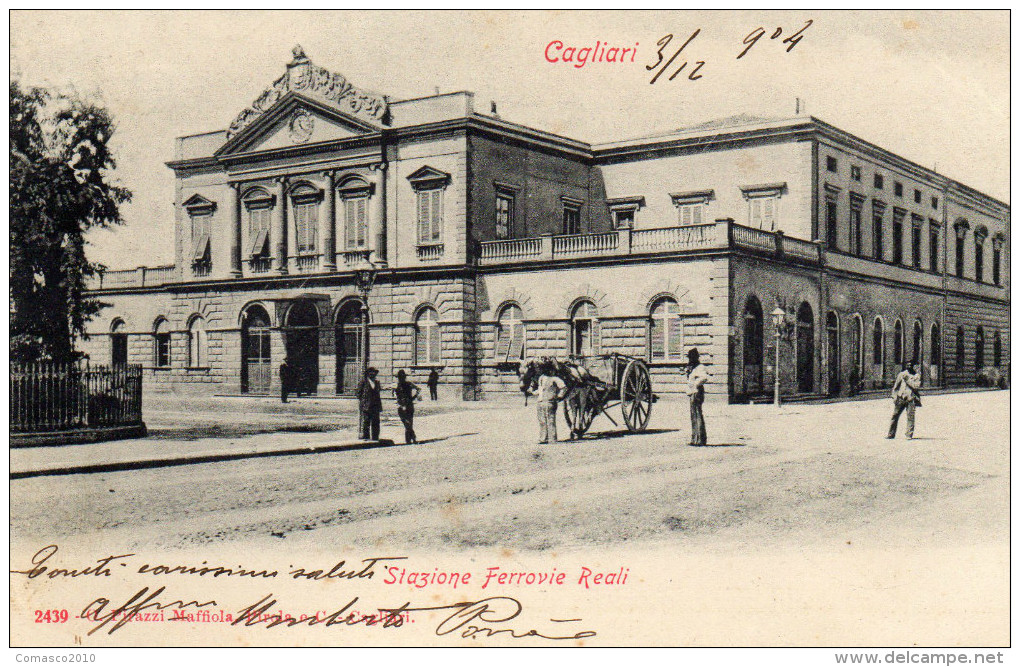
x=749, y=42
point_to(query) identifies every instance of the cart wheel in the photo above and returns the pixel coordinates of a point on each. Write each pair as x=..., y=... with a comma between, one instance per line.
x=580, y=410
x=636, y=395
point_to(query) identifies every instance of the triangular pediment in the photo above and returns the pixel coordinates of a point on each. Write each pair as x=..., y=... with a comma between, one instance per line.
x=428, y=176
x=198, y=203
x=294, y=122
x=308, y=104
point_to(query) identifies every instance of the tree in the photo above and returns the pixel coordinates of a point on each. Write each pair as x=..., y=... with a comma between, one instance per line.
x=60, y=187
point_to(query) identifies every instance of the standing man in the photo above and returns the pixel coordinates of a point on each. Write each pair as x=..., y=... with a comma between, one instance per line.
x=370, y=404
x=697, y=376
x=549, y=390
x=407, y=393
x=284, y=380
x=906, y=394
x=433, y=383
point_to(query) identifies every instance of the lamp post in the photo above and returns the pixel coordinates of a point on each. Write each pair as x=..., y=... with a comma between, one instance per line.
x=777, y=319
x=364, y=278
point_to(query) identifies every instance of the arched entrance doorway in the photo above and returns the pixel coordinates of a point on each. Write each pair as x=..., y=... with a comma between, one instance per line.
x=303, y=347
x=805, y=349
x=256, y=363
x=350, y=341
x=754, y=348
x=832, y=338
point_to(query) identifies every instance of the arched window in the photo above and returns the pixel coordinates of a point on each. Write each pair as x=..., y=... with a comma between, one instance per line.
x=898, y=344
x=197, y=346
x=510, y=334
x=665, y=331
x=754, y=345
x=584, y=329
x=258, y=206
x=878, y=343
x=118, y=343
x=980, y=233
x=918, y=343
x=960, y=349
x=426, y=337
x=256, y=357
x=979, y=349
x=305, y=200
x=936, y=354
x=857, y=344
x=805, y=348
x=997, y=349
x=161, y=344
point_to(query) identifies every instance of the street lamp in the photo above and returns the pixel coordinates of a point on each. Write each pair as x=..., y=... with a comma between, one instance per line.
x=364, y=278
x=777, y=319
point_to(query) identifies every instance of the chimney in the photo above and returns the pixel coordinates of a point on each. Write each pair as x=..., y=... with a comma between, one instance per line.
x=492, y=108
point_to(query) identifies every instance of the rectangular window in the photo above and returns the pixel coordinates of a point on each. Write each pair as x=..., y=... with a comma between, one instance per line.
x=855, y=172
x=855, y=231
x=504, y=216
x=996, y=261
x=831, y=164
x=878, y=181
x=764, y=212
x=624, y=217
x=935, y=203
x=933, y=246
x=897, y=239
x=898, y=189
x=979, y=262
x=877, y=234
x=306, y=222
x=917, y=196
x=430, y=216
x=691, y=214
x=915, y=242
x=571, y=218
x=201, y=227
x=355, y=223
x=831, y=222
x=258, y=230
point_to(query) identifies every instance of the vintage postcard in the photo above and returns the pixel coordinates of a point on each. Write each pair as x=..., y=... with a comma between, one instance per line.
x=511, y=329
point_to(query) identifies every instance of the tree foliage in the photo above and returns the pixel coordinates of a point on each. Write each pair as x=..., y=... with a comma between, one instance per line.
x=60, y=187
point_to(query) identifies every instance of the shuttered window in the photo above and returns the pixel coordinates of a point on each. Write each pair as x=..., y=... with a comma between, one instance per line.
x=510, y=335
x=666, y=337
x=430, y=216
x=427, y=349
x=355, y=223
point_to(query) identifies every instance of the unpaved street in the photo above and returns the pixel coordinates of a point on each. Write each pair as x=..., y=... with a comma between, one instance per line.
x=809, y=474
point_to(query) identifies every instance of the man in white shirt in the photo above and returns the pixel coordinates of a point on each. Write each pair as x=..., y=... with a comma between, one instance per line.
x=697, y=376
x=906, y=394
x=550, y=390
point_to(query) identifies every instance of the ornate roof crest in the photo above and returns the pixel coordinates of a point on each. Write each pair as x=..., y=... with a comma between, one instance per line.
x=318, y=83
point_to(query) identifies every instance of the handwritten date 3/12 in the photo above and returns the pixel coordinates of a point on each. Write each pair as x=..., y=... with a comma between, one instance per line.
x=665, y=62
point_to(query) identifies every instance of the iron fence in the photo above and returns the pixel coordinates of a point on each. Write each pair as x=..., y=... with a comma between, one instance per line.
x=59, y=396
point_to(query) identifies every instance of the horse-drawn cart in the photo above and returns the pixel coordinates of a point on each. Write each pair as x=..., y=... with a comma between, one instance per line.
x=598, y=384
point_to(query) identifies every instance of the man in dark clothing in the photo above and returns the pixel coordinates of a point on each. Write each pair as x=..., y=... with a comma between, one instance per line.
x=284, y=380
x=407, y=393
x=433, y=383
x=906, y=395
x=370, y=404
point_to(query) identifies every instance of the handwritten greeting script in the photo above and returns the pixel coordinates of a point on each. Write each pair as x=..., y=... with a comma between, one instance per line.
x=489, y=616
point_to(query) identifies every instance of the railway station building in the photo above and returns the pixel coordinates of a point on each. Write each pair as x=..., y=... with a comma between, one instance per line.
x=330, y=226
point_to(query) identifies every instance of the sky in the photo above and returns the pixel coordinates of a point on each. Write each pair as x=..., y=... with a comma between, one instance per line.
x=930, y=86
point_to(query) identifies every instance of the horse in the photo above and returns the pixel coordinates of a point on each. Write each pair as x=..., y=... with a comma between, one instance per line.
x=576, y=377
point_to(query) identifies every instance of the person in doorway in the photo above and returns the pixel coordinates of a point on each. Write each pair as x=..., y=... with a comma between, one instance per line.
x=549, y=388
x=284, y=381
x=370, y=404
x=906, y=395
x=407, y=393
x=433, y=384
x=697, y=376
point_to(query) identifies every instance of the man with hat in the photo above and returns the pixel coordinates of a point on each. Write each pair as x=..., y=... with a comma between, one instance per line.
x=906, y=394
x=407, y=393
x=697, y=376
x=370, y=404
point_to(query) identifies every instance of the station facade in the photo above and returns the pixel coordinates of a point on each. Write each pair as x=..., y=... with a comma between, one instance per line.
x=465, y=243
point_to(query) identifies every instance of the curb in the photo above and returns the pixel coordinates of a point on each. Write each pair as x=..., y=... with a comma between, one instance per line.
x=207, y=458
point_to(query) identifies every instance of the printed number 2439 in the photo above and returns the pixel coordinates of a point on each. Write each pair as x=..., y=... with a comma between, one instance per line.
x=51, y=616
